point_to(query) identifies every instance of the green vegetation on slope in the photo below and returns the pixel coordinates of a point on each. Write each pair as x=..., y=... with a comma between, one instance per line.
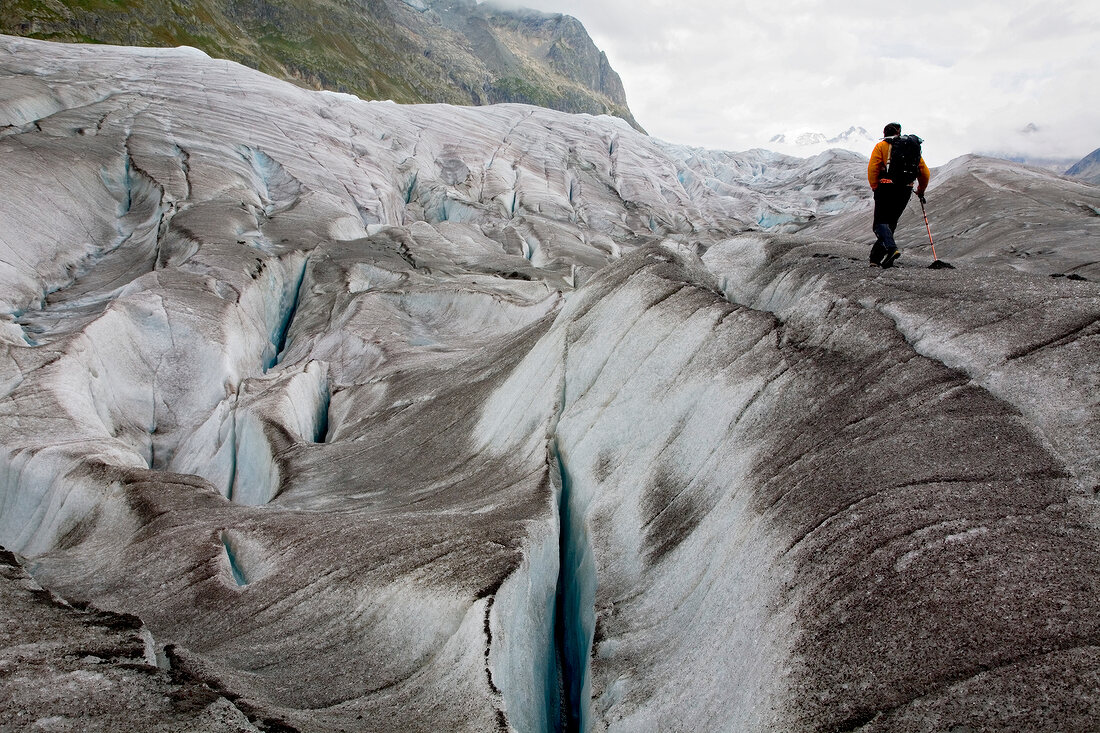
x=369, y=48
x=319, y=44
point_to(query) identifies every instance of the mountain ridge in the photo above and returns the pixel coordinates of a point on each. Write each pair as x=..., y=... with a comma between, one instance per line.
x=410, y=51
x=853, y=134
x=1088, y=168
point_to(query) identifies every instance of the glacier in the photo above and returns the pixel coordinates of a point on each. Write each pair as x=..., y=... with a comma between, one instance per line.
x=321, y=414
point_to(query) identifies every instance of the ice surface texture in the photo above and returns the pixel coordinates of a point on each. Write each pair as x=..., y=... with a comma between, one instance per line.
x=428, y=418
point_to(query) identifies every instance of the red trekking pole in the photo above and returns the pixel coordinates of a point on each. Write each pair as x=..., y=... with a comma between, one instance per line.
x=937, y=263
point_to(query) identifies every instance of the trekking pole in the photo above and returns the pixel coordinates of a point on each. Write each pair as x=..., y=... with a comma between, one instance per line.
x=928, y=229
x=937, y=263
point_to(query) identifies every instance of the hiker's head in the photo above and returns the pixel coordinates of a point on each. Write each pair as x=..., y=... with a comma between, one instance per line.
x=894, y=128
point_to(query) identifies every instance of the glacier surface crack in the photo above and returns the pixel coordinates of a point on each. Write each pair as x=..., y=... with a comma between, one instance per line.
x=234, y=567
x=282, y=330
x=575, y=612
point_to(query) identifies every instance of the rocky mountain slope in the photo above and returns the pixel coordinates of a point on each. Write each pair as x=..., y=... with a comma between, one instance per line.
x=1088, y=168
x=326, y=415
x=452, y=51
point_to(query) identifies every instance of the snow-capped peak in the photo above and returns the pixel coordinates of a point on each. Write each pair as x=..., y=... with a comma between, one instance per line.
x=853, y=134
x=803, y=143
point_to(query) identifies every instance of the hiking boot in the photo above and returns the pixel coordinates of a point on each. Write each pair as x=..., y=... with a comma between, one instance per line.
x=877, y=252
x=891, y=256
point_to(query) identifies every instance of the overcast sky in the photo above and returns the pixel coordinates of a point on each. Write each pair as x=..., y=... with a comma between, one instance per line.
x=966, y=76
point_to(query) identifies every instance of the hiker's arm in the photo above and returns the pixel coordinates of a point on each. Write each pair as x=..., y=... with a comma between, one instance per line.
x=923, y=176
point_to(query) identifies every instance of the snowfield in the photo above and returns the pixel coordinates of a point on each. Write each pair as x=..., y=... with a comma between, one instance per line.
x=319, y=414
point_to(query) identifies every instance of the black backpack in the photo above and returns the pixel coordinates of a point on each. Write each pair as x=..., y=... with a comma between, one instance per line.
x=904, y=159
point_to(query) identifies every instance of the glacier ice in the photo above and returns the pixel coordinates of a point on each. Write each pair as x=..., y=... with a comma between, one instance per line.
x=384, y=417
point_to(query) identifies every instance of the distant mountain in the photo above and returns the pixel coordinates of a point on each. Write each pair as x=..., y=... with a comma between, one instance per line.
x=804, y=144
x=412, y=51
x=805, y=138
x=853, y=134
x=1088, y=168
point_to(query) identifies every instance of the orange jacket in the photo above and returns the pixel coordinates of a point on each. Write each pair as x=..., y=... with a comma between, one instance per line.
x=880, y=158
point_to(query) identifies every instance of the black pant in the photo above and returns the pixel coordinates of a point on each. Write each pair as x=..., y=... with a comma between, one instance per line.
x=890, y=201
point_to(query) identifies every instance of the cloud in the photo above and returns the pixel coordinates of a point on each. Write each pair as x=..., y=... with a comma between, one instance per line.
x=966, y=76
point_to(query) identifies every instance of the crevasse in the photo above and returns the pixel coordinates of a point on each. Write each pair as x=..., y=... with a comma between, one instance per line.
x=575, y=615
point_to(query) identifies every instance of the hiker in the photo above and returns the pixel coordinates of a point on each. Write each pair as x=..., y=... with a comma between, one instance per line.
x=895, y=164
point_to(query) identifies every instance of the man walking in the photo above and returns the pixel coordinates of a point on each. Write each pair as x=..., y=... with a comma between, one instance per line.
x=895, y=164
